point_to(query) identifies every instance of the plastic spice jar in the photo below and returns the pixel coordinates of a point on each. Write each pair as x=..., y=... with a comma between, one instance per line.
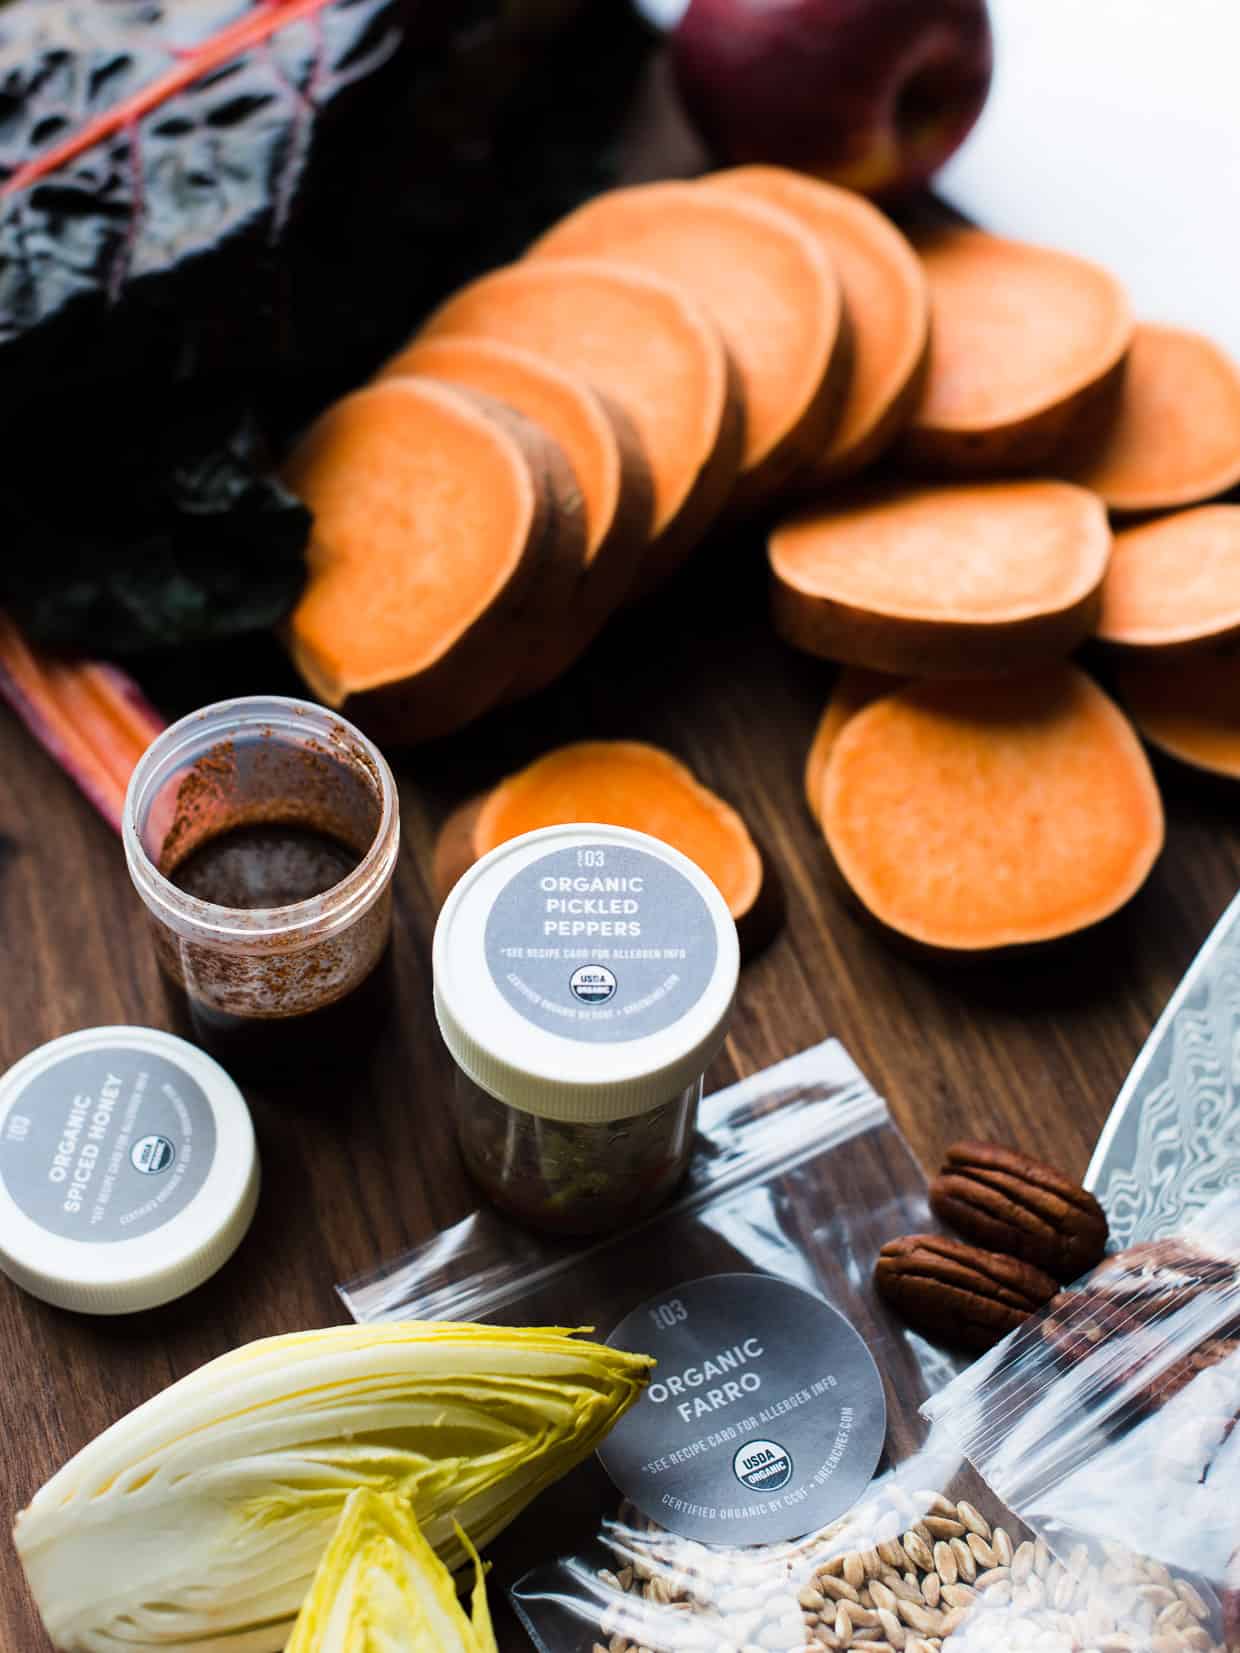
x=584, y=977
x=262, y=835
x=128, y=1169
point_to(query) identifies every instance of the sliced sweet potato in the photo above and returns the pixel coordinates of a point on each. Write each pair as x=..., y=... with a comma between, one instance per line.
x=970, y=578
x=767, y=284
x=644, y=344
x=854, y=689
x=1174, y=584
x=1175, y=440
x=1189, y=710
x=443, y=522
x=600, y=444
x=624, y=783
x=973, y=817
x=1027, y=350
x=885, y=298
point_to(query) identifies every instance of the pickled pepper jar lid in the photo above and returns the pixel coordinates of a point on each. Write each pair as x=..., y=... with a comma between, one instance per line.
x=585, y=973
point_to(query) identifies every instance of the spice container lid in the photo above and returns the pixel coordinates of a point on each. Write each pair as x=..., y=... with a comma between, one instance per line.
x=128, y=1169
x=584, y=973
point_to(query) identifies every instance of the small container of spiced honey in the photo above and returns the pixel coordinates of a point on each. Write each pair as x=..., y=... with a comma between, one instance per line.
x=262, y=834
x=584, y=979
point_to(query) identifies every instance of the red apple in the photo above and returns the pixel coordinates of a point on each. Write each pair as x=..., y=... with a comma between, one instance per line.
x=872, y=94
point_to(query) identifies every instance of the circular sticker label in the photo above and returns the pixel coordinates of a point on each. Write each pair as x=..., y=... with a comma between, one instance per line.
x=601, y=942
x=151, y=1155
x=764, y=1418
x=106, y=1144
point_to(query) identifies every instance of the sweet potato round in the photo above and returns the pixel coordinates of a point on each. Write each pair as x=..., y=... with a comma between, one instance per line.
x=971, y=818
x=628, y=783
x=1175, y=440
x=1027, y=353
x=1188, y=710
x=646, y=345
x=623, y=783
x=971, y=578
x=601, y=446
x=765, y=282
x=853, y=690
x=885, y=299
x=1174, y=584
x=443, y=523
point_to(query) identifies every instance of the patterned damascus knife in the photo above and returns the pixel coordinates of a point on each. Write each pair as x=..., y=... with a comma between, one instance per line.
x=1173, y=1139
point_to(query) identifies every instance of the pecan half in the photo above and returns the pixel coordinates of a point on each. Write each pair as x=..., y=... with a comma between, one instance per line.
x=1154, y=1275
x=1166, y=1308
x=1006, y=1201
x=959, y=1294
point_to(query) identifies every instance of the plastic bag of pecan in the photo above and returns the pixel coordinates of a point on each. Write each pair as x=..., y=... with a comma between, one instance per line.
x=1109, y=1424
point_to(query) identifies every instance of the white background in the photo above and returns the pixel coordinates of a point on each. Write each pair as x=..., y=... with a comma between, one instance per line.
x=1113, y=130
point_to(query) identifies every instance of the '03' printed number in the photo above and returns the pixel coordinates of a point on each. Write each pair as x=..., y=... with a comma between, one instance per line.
x=669, y=1314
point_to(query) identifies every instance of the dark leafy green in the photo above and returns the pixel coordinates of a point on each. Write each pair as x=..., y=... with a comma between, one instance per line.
x=218, y=165
x=186, y=541
x=181, y=295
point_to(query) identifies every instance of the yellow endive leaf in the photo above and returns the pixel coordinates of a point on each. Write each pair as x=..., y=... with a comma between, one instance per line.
x=380, y=1588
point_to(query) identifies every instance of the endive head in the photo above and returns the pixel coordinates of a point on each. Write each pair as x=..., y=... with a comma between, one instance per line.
x=196, y=1523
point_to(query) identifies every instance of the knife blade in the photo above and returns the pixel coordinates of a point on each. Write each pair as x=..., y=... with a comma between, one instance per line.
x=1172, y=1141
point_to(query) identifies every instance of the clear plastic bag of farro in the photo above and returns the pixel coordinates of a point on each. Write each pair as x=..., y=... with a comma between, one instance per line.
x=783, y=1386
x=778, y=1489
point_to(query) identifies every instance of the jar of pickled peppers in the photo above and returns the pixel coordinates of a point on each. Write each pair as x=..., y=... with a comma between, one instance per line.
x=584, y=978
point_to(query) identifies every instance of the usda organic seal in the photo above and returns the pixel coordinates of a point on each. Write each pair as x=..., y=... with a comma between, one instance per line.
x=765, y=1417
x=151, y=1155
x=763, y=1465
x=593, y=983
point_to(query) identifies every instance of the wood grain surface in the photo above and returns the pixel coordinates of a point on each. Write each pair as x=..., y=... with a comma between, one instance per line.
x=365, y=1166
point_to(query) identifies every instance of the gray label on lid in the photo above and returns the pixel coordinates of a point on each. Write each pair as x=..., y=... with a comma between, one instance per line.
x=107, y=1145
x=764, y=1418
x=601, y=942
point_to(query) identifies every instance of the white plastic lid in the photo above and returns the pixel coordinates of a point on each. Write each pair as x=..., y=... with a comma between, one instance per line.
x=128, y=1169
x=584, y=973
